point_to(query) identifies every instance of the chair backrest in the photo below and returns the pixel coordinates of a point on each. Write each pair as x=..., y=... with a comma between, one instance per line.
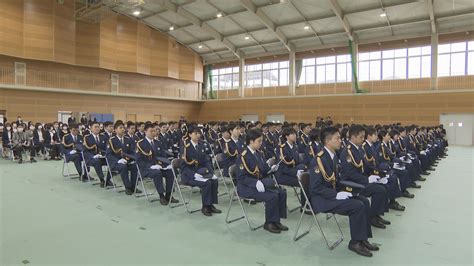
x=304, y=181
x=233, y=171
x=176, y=163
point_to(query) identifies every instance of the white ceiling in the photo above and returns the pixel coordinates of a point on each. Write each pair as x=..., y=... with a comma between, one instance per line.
x=275, y=26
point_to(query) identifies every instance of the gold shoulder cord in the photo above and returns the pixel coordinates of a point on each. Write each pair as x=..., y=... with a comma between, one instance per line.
x=227, y=151
x=119, y=151
x=353, y=161
x=369, y=159
x=311, y=150
x=282, y=157
x=401, y=146
x=195, y=162
x=255, y=172
x=87, y=146
x=304, y=142
x=140, y=150
x=384, y=155
x=67, y=145
x=332, y=178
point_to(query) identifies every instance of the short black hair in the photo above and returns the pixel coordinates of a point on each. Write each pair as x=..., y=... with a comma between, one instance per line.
x=233, y=126
x=73, y=125
x=108, y=123
x=355, y=130
x=130, y=124
x=326, y=133
x=369, y=131
x=394, y=132
x=286, y=132
x=118, y=123
x=149, y=125
x=382, y=133
x=314, y=134
x=252, y=135
x=193, y=128
x=93, y=123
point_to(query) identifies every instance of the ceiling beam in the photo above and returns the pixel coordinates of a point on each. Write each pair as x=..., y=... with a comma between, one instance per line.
x=432, y=16
x=258, y=12
x=203, y=26
x=340, y=15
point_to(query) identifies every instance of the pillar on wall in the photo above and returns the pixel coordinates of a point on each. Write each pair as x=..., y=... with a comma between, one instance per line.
x=434, y=61
x=355, y=65
x=242, y=77
x=292, y=78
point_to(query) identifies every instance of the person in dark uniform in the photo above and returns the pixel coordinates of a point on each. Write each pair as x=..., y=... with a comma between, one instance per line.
x=268, y=146
x=353, y=169
x=313, y=147
x=325, y=197
x=231, y=147
x=254, y=181
x=121, y=157
x=95, y=145
x=197, y=170
x=375, y=166
x=71, y=146
x=147, y=154
x=303, y=138
x=290, y=167
x=140, y=131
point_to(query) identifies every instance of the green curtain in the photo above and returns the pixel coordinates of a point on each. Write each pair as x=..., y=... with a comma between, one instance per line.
x=207, y=84
x=355, y=81
x=298, y=70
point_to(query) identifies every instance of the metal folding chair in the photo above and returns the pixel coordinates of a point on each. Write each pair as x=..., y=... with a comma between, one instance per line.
x=272, y=162
x=219, y=158
x=178, y=185
x=235, y=194
x=144, y=193
x=303, y=182
x=85, y=169
x=111, y=173
x=66, y=167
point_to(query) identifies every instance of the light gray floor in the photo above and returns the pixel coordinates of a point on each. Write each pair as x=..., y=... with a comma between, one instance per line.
x=50, y=220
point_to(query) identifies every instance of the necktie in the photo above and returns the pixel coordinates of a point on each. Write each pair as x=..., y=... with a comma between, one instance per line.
x=121, y=140
x=74, y=139
x=97, y=139
x=152, y=145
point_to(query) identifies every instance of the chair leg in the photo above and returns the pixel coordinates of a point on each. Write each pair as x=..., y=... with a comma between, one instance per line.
x=244, y=214
x=144, y=191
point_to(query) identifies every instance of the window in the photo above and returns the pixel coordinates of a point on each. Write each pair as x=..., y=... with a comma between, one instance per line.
x=225, y=78
x=267, y=74
x=370, y=66
x=327, y=69
x=455, y=59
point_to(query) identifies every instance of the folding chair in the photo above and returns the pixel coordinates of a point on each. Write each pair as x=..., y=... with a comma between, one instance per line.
x=177, y=184
x=144, y=193
x=219, y=158
x=303, y=182
x=85, y=169
x=111, y=173
x=272, y=161
x=235, y=194
x=66, y=166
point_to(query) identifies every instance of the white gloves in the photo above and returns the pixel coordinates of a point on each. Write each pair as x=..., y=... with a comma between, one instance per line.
x=398, y=166
x=383, y=180
x=268, y=162
x=168, y=167
x=273, y=169
x=214, y=177
x=299, y=173
x=156, y=167
x=122, y=161
x=343, y=195
x=73, y=152
x=260, y=187
x=97, y=156
x=199, y=178
x=423, y=152
x=373, y=178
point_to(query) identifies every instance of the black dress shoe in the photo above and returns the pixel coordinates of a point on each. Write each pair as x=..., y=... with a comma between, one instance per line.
x=425, y=173
x=173, y=200
x=431, y=169
x=20, y=161
x=360, y=249
x=421, y=179
x=206, y=211
x=396, y=206
x=415, y=185
x=214, y=209
x=382, y=220
x=32, y=160
x=370, y=246
x=281, y=227
x=407, y=194
x=109, y=184
x=375, y=223
x=137, y=191
x=129, y=191
x=272, y=228
x=163, y=200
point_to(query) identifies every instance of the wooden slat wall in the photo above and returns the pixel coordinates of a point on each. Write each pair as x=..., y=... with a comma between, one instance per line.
x=47, y=30
x=423, y=109
x=44, y=106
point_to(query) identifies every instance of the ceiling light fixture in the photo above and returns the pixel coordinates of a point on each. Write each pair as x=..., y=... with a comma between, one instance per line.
x=383, y=14
x=219, y=15
x=171, y=27
x=247, y=37
x=200, y=46
x=137, y=11
x=306, y=26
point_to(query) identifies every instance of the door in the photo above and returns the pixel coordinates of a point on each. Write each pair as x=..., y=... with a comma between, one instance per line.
x=131, y=117
x=3, y=113
x=251, y=118
x=63, y=116
x=276, y=118
x=459, y=128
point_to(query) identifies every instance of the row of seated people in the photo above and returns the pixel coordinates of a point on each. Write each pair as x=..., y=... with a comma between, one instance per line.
x=381, y=163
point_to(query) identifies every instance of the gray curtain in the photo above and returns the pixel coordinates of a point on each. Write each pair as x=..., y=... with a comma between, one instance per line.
x=298, y=69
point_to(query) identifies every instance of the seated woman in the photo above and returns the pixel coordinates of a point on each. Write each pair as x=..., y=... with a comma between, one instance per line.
x=254, y=182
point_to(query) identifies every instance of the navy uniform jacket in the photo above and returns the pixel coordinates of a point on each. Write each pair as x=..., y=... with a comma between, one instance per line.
x=275, y=138
x=374, y=164
x=68, y=144
x=133, y=139
x=193, y=159
x=175, y=137
x=412, y=146
x=353, y=165
x=92, y=147
x=250, y=169
x=212, y=136
x=107, y=136
x=290, y=160
x=303, y=143
x=117, y=150
x=268, y=146
x=402, y=146
x=311, y=151
x=6, y=138
x=139, y=136
x=165, y=140
x=323, y=175
x=36, y=140
x=146, y=155
x=231, y=149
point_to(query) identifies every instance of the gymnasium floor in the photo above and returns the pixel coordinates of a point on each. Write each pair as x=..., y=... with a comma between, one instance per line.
x=50, y=220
